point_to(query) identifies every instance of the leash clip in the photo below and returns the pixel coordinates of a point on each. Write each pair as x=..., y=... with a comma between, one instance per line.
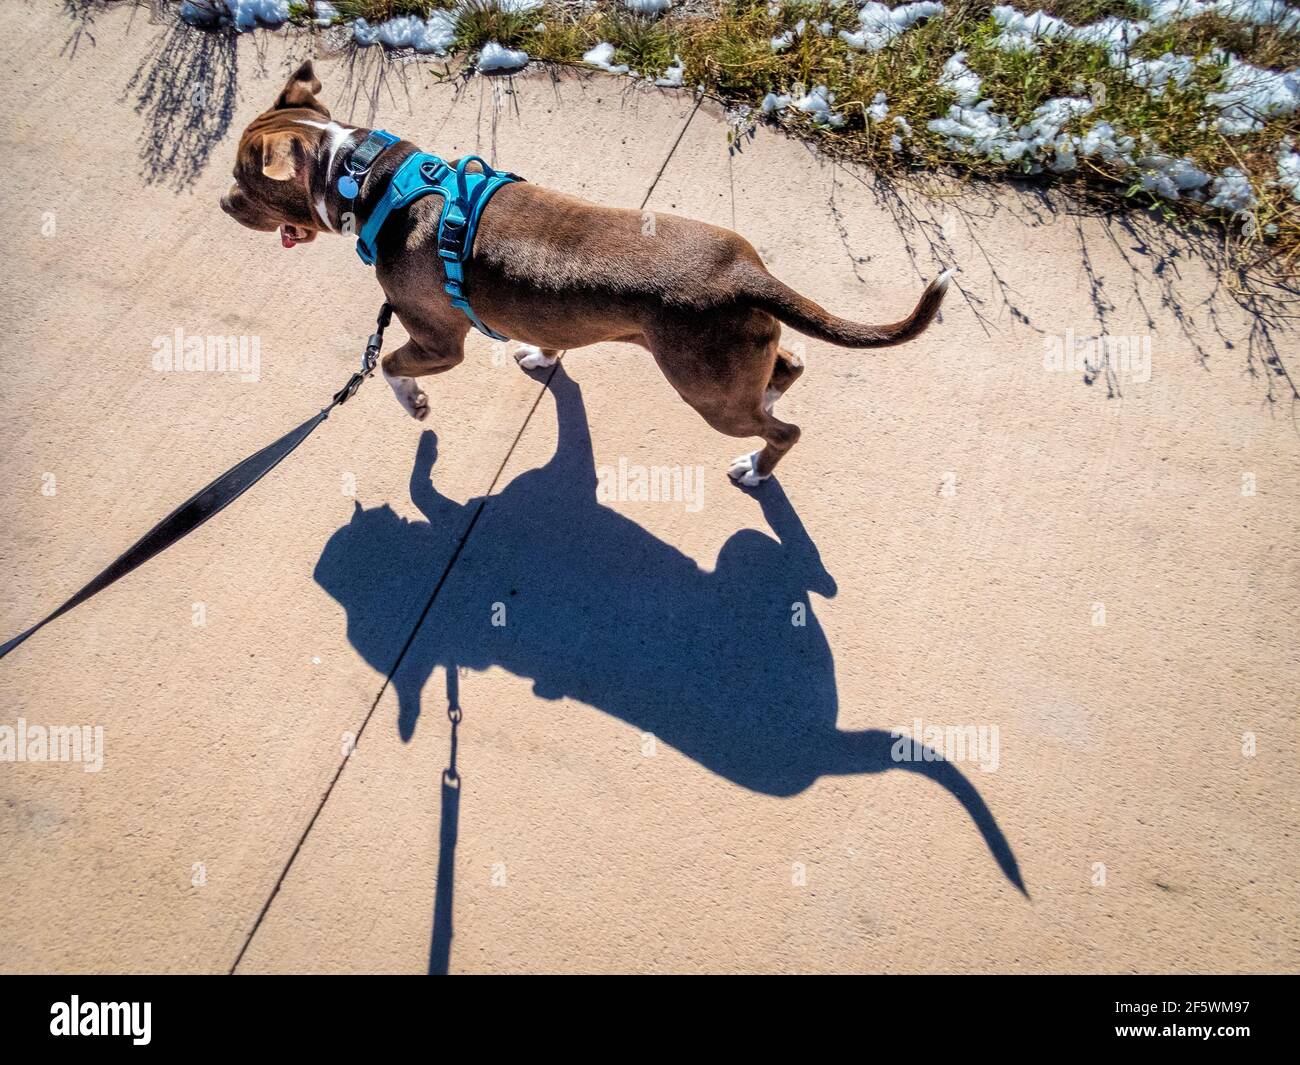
x=369, y=357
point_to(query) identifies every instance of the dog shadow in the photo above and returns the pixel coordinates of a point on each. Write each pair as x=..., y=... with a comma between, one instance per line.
x=590, y=606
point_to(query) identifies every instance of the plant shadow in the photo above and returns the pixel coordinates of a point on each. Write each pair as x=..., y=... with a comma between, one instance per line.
x=599, y=610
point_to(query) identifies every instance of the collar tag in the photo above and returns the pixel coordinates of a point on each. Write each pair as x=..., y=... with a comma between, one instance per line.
x=363, y=157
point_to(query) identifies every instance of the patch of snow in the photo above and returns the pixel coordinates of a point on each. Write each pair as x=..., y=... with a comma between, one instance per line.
x=1043, y=135
x=881, y=24
x=786, y=40
x=818, y=104
x=1155, y=74
x=1102, y=140
x=645, y=7
x=1253, y=12
x=438, y=34
x=1170, y=177
x=365, y=34
x=1232, y=192
x=1064, y=157
x=1014, y=42
x=879, y=108
x=1037, y=25
x=1288, y=168
x=672, y=77
x=494, y=58
x=435, y=34
x=904, y=133
x=1048, y=118
x=1116, y=35
x=246, y=14
x=1250, y=94
x=603, y=56
x=242, y=14
x=959, y=78
x=1021, y=33
x=979, y=131
x=1261, y=13
x=773, y=103
x=399, y=32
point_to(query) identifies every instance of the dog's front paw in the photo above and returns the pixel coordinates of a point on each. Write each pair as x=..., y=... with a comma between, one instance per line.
x=531, y=357
x=744, y=470
x=410, y=396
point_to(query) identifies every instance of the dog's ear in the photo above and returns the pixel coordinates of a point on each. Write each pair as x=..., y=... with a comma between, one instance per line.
x=302, y=89
x=279, y=155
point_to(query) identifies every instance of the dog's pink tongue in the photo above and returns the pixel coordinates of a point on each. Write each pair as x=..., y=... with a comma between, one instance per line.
x=285, y=239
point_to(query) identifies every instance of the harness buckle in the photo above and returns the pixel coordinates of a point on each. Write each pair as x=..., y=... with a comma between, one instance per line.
x=451, y=241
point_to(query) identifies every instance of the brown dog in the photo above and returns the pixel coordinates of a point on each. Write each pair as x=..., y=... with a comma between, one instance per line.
x=556, y=273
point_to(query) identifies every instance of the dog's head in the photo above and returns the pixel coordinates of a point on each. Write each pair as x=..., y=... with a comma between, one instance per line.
x=279, y=153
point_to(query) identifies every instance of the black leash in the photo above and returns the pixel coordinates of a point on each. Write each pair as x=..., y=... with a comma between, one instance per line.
x=220, y=493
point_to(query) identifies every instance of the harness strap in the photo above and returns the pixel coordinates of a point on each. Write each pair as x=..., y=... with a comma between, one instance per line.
x=464, y=195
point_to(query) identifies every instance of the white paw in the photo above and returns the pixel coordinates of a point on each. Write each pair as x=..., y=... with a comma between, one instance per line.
x=744, y=470
x=409, y=395
x=531, y=357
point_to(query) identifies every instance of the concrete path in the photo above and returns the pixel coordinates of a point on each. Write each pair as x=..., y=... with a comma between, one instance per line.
x=674, y=752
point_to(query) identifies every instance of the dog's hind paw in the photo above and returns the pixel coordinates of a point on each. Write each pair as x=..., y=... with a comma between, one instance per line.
x=744, y=470
x=531, y=357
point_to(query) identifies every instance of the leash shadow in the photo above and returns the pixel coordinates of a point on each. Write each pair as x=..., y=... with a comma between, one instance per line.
x=599, y=610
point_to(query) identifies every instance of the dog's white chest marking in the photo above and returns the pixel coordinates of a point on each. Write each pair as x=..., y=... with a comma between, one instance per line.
x=338, y=136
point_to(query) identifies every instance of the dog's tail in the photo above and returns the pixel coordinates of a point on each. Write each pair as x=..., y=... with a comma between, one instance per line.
x=799, y=312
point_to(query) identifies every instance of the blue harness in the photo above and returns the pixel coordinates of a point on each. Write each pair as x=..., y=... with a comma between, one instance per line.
x=464, y=195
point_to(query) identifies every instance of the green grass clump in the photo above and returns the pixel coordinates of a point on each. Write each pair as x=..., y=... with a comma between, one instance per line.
x=481, y=21
x=381, y=10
